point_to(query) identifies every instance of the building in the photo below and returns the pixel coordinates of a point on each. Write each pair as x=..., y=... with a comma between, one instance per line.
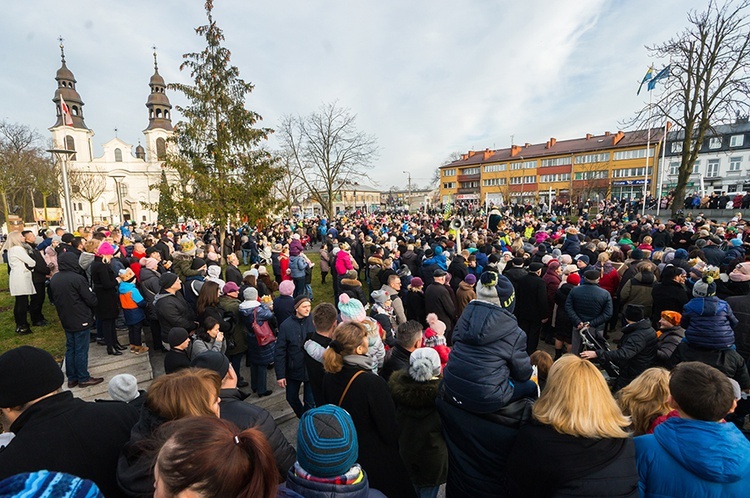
x=415, y=198
x=723, y=163
x=591, y=167
x=94, y=180
x=350, y=197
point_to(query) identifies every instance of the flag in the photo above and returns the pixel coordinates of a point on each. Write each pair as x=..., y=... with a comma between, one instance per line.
x=663, y=74
x=66, y=116
x=646, y=78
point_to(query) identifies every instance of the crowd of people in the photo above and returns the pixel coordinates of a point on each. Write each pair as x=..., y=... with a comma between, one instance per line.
x=514, y=353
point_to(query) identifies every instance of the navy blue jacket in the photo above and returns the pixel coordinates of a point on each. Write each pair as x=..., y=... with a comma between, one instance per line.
x=709, y=323
x=571, y=246
x=283, y=308
x=589, y=303
x=489, y=353
x=714, y=255
x=290, y=350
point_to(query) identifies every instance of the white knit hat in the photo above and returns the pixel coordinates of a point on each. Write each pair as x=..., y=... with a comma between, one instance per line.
x=424, y=364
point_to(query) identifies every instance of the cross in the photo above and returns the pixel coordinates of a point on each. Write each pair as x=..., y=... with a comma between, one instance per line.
x=62, y=47
x=156, y=66
x=115, y=132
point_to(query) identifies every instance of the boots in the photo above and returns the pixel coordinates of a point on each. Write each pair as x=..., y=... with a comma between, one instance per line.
x=558, y=353
x=114, y=351
x=119, y=346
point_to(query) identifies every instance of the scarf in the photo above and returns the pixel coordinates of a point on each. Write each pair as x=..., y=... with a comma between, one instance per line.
x=353, y=476
x=360, y=361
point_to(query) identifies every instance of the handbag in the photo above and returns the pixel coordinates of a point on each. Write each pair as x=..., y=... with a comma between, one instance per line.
x=263, y=333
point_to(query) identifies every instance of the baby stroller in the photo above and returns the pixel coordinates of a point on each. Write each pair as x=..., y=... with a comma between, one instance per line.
x=264, y=254
x=592, y=342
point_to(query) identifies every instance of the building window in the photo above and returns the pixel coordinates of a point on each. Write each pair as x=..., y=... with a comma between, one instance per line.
x=633, y=154
x=492, y=168
x=161, y=149
x=735, y=163
x=674, y=168
x=449, y=185
x=449, y=172
x=70, y=144
x=696, y=167
x=523, y=165
x=714, y=143
x=557, y=161
x=591, y=175
x=516, y=180
x=713, y=168
x=470, y=171
x=560, y=177
x=492, y=182
x=737, y=140
x=123, y=189
x=676, y=147
x=469, y=184
x=118, y=156
x=592, y=158
x=620, y=173
x=529, y=179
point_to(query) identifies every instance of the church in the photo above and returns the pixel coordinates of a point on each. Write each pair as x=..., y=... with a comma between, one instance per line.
x=94, y=180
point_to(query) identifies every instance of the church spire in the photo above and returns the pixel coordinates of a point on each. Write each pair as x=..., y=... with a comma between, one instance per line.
x=159, y=108
x=66, y=87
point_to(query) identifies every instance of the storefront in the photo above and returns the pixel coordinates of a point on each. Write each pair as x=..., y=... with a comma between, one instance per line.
x=628, y=189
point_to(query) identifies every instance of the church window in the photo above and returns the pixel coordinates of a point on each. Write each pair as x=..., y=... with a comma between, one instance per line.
x=118, y=155
x=166, y=114
x=70, y=144
x=75, y=110
x=158, y=113
x=161, y=149
x=151, y=114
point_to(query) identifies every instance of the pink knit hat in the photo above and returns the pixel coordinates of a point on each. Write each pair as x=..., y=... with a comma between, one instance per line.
x=741, y=273
x=149, y=263
x=286, y=288
x=105, y=249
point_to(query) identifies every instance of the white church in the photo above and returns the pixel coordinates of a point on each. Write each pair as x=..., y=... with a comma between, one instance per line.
x=136, y=172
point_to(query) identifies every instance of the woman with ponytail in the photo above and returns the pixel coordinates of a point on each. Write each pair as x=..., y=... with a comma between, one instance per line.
x=350, y=383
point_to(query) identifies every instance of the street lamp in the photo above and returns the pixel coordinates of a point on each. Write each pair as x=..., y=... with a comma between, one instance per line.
x=62, y=155
x=118, y=181
x=408, y=201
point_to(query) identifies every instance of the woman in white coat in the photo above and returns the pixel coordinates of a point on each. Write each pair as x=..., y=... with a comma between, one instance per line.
x=21, y=285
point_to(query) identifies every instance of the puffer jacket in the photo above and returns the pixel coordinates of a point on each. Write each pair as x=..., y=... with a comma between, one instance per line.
x=289, y=359
x=727, y=361
x=489, y=353
x=638, y=291
x=686, y=457
x=74, y=299
x=668, y=341
x=297, y=265
x=637, y=352
x=741, y=308
x=315, y=489
x=667, y=295
x=709, y=323
x=353, y=288
x=589, y=303
x=343, y=262
x=571, y=246
x=257, y=354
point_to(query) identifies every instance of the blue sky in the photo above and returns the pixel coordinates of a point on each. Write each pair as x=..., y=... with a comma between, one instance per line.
x=427, y=78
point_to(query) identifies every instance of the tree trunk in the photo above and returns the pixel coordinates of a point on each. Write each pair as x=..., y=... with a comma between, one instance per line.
x=4, y=196
x=44, y=205
x=91, y=208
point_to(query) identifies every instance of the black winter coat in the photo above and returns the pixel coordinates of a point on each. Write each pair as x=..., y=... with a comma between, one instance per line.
x=353, y=288
x=637, y=352
x=458, y=271
x=515, y=274
x=397, y=359
x=438, y=300
x=589, y=303
x=667, y=295
x=173, y=311
x=315, y=371
x=41, y=271
x=574, y=466
x=135, y=474
x=105, y=288
x=74, y=300
x=741, y=308
x=369, y=403
x=65, y=434
x=415, y=307
x=714, y=255
x=246, y=415
x=283, y=308
x=727, y=361
x=290, y=352
x=563, y=323
x=233, y=274
x=176, y=359
x=149, y=289
x=531, y=295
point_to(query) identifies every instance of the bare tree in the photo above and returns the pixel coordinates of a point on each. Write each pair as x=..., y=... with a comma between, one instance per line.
x=20, y=150
x=88, y=185
x=290, y=187
x=593, y=178
x=46, y=180
x=327, y=151
x=709, y=80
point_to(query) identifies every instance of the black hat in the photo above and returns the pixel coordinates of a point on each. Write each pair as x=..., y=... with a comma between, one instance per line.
x=517, y=261
x=67, y=238
x=634, y=312
x=212, y=360
x=493, y=258
x=591, y=275
x=535, y=267
x=299, y=300
x=151, y=250
x=177, y=335
x=429, y=252
x=167, y=280
x=198, y=263
x=439, y=272
x=27, y=373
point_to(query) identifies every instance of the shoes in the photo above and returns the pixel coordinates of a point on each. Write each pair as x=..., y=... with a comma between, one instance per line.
x=23, y=330
x=120, y=347
x=138, y=349
x=41, y=323
x=92, y=381
x=267, y=393
x=101, y=342
x=114, y=351
x=242, y=383
x=92, y=339
x=72, y=384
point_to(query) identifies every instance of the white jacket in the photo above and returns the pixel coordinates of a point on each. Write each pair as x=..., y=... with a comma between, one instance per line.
x=20, y=276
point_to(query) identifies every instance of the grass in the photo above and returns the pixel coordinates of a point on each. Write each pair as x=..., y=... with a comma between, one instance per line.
x=52, y=337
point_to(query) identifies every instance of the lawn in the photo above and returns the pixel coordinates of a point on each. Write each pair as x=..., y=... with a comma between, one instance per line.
x=52, y=337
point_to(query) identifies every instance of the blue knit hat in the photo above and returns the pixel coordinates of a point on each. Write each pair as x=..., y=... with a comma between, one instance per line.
x=327, y=444
x=48, y=484
x=680, y=254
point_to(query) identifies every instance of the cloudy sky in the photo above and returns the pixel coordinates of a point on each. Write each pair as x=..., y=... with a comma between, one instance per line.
x=426, y=77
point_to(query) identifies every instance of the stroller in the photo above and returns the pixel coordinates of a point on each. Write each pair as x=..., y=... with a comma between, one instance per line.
x=264, y=254
x=592, y=342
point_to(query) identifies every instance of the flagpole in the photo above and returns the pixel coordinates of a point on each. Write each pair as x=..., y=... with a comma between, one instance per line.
x=663, y=160
x=648, y=150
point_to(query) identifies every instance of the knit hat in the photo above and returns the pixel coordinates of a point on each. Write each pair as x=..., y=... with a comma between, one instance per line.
x=591, y=275
x=633, y=312
x=43, y=484
x=214, y=271
x=416, y=282
x=680, y=254
x=250, y=294
x=149, y=263
x=436, y=325
x=212, y=360
x=300, y=300
x=67, y=237
x=574, y=279
x=212, y=256
x=351, y=309
x=672, y=317
x=486, y=288
x=351, y=274
x=177, y=335
x=254, y=272
x=105, y=249
x=123, y=387
x=286, y=288
x=705, y=287
x=230, y=287
x=197, y=264
x=27, y=373
x=327, y=444
x=583, y=257
x=636, y=254
x=553, y=265
x=535, y=267
x=546, y=259
x=700, y=243
x=741, y=272
x=167, y=280
x=736, y=242
x=424, y=364
x=187, y=246
x=556, y=252
x=379, y=296
x=56, y=238
x=470, y=279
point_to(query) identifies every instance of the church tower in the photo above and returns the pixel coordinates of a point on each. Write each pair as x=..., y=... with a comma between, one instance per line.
x=159, y=117
x=75, y=136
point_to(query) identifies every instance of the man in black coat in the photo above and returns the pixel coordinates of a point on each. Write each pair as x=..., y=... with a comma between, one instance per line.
x=438, y=300
x=458, y=271
x=408, y=338
x=741, y=308
x=246, y=415
x=588, y=303
x=75, y=303
x=714, y=254
x=290, y=356
x=233, y=273
x=515, y=272
x=39, y=275
x=171, y=306
x=54, y=430
x=531, y=308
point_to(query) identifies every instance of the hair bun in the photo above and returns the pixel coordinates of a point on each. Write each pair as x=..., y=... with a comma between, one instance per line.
x=336, y=346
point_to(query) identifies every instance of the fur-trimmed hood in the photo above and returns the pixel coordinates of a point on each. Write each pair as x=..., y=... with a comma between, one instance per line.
x=351, y=282
x=409, y=393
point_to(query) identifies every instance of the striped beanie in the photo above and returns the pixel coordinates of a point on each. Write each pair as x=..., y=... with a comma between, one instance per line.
x=48, y=484
x=327, y=444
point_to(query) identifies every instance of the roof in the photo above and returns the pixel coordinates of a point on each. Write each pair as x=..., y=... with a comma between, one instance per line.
x=740, y=126
x=590, y=143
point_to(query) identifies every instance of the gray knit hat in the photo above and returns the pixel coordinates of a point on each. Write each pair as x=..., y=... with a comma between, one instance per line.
x=123, y=387
x=424, y=364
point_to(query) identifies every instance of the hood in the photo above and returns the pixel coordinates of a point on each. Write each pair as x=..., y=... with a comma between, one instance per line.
x=646, y=278
x=465, y=286
x=68, y=261
x=350, y=282
x=412, y=394
x=249, y=305
x=716, y=452
x=85, y=260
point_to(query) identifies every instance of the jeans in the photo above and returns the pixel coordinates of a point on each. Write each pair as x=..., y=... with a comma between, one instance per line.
x=427, y=492
x=292, y=396
x=245, y=254
x=299, y=286
x=20, y=309
x=135, y=334
x=36, y=303
x=525, y=389
x=77, y=356
x=308, y=291
x=258, y=380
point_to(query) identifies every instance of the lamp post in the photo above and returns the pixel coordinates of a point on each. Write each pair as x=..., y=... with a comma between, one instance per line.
x=408, y=201
x=62, y=155
x=118, y=181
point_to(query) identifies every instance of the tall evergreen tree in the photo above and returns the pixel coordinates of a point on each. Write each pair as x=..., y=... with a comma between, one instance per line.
x=167, y=207
x=219, y=152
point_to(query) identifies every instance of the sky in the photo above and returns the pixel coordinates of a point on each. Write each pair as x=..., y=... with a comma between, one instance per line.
x=427, y=78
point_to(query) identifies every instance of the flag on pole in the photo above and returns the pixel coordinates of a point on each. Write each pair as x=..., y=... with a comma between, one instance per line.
x=663, y=74
x=66, y=116
x=646, y=78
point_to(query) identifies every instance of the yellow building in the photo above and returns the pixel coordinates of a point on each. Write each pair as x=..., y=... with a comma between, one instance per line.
x=592, y=167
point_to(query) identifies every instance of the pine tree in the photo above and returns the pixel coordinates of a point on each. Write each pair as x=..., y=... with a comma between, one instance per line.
x=220, y=150
x=167, y=208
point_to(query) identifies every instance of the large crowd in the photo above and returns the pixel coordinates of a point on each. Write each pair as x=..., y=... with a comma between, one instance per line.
x=509, y=352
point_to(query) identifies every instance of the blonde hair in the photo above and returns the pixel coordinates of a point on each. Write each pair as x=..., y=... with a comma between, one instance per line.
x=92, y=245
x=603, y=257
x=647, y=239
x=347, y=336
x=14, y=239
x=645, y=399
x=191, y=392
x=576, y=401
